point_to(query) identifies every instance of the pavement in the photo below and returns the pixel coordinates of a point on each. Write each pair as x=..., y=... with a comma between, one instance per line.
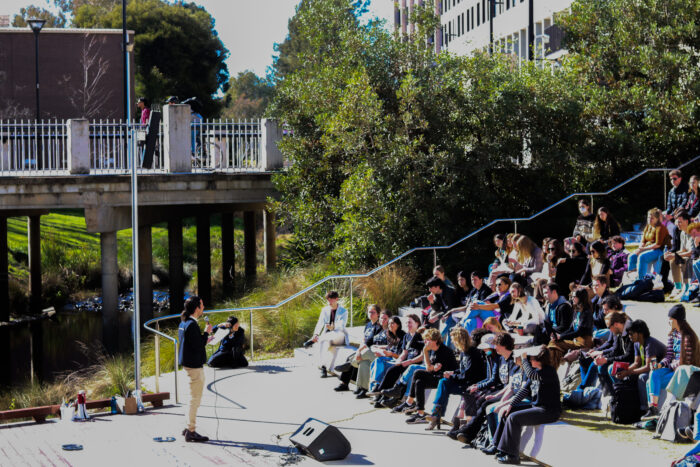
x=249, y=414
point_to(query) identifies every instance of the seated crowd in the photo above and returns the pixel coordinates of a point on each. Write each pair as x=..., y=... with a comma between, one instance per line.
x=505, y=340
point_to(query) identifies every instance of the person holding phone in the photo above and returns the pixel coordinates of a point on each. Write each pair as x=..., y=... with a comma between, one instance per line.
x=192, y=355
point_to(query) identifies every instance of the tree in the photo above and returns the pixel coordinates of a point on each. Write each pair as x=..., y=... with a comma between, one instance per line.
x=177, y=49
x=33, y=11
x=247, y=96
x=86, y=94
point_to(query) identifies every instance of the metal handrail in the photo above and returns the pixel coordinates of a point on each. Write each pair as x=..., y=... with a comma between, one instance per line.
x=401, y=256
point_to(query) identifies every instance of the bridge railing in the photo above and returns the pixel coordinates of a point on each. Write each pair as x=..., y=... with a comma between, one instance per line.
x=351, y=277
x=100, y=147
x=226, y=145
x=30, y=147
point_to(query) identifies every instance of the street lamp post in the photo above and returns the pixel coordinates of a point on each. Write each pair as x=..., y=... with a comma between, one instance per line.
x=36, y=24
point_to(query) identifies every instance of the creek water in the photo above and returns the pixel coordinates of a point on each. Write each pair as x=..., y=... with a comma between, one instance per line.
x=45, y=347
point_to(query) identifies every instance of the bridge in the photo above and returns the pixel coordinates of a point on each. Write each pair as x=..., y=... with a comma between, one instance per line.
x=199, y=169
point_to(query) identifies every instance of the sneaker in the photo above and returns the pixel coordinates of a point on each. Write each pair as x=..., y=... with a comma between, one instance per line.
x=410, y=409
x=396, y=391
x=401, y=407
x=357, y=391
x=463, y=438
x=194, y=437
x=389, y=402
x=324, y=372
x=416, y=418
x=341, y=387
x=653, y=412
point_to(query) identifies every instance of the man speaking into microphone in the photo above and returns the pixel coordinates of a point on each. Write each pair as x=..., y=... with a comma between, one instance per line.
x=193, y=355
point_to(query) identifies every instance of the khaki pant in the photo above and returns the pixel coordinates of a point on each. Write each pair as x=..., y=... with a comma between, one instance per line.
x=326, y=353
x=559, y=348
x=681, y=272
x=196, y=376
x=363, y=367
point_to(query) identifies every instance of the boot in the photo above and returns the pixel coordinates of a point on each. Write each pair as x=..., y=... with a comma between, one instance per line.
x=395, y=392
x=456, y=422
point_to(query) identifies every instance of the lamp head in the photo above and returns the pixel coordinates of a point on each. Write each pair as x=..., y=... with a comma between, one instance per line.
x=36, y=24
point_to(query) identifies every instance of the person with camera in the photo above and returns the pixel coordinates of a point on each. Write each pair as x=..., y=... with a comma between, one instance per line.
x=230, y=352
x=192, y=355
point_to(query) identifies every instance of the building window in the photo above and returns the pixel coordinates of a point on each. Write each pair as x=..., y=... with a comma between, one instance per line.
x=483, y=11
x=472, y=17
x=468, y=25
x=478, y=14
x=462, y=23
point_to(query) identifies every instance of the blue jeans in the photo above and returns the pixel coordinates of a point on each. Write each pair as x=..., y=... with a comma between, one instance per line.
x=407, y=376
x=696, y=269
x=445, y=333
x=658, y=380
x=643, y=262
x=445, y=388
x=469, y=321
x=377, y=370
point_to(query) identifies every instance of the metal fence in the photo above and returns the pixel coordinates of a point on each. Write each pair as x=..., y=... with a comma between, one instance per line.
x=33, y=146
x=108, y=146
x=226, y=145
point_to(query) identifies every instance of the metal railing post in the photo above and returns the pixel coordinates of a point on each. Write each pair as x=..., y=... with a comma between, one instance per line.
x=434, y=258
x=665, y=175
x=351, y=307
x=252, y=347
x=515, y=226
x=177, y=364
x=157, y=349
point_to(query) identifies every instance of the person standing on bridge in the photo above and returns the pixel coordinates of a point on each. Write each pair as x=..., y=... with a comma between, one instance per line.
x=193, y=355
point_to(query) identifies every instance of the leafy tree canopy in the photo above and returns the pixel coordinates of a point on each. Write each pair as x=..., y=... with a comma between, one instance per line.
x=33, y=11
x=247, y=96
x=393, y=146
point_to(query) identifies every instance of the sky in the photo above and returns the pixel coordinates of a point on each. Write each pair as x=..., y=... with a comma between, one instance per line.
x=248, y=28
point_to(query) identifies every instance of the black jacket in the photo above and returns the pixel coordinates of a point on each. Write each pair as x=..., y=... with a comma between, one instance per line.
x=193, y=352
x=582, y=326
x=677, y=197
x=472, y=367
x=598, y=313
x=559, y=316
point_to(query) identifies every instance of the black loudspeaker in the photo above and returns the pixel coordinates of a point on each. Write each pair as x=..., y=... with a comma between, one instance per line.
x=321, y=441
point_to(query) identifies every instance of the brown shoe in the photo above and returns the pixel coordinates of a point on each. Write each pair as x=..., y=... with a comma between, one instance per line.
x=194, y=437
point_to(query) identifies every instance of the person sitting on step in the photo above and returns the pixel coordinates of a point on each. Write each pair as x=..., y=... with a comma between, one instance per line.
x=438, y=358
x=230, y=352
x=330, y=331
x=357, y=365
x=472, y=368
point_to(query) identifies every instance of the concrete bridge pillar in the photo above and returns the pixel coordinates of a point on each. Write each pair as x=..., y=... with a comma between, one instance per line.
x=110, y=291
x=177, y=280
x=4, y=273
x=79, y=146
x=145, y=273
x=34, y=234
x=177, y=138
x=249, y=254
x=228, y=253
x=270, y=240
x=203, y=259
x=271, y=156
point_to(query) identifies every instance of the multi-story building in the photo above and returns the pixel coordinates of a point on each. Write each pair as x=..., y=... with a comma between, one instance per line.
x=525, y=28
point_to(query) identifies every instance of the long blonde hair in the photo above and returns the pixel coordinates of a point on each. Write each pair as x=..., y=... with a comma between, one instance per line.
x=526, y=248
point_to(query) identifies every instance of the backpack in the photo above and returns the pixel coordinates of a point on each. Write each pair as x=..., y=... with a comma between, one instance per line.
x=691, y=294
x=654, y=296
x=674, y=416
x=483, y=438
x=624, y=403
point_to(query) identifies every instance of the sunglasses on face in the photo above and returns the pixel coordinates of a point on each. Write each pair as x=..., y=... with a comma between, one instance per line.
x=674, y=178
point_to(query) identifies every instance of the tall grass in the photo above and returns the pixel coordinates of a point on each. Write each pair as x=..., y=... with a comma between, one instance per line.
x=109, y=375
x=391, y=287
